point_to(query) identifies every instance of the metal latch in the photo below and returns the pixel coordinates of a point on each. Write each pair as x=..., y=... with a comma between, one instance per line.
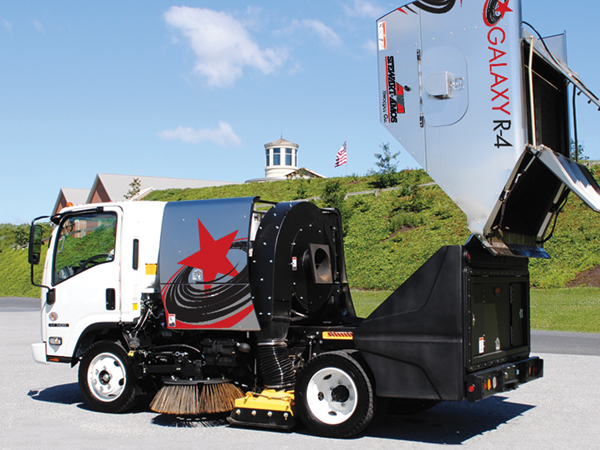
x=440, y=84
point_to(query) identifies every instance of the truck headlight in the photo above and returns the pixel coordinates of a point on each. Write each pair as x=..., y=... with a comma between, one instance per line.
x=53, y=340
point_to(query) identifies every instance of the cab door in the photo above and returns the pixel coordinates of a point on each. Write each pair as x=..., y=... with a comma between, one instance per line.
x=84, y=278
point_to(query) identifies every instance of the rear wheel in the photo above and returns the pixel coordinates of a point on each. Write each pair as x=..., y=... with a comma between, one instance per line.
x=106, y=378
x=334, y=396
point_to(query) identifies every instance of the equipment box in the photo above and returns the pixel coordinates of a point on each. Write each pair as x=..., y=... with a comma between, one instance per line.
x=460, y=321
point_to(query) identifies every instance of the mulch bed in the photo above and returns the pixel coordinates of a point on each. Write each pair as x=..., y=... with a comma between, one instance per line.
x=589, y=278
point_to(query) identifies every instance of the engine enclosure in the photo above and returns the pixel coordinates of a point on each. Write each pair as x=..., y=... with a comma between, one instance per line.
x=229, y=264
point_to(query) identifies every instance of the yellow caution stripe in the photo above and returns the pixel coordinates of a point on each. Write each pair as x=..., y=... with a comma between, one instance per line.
x=338, y=335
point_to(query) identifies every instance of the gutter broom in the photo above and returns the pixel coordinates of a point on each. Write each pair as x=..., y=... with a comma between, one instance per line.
x=193, y=397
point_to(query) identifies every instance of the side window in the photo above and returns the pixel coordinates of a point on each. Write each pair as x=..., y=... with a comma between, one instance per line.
x=84, y=241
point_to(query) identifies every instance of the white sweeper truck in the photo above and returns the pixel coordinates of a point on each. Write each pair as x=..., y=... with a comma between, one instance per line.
x=242, y=307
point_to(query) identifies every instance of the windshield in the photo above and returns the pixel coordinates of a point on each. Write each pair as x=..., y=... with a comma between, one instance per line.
x=84, y=241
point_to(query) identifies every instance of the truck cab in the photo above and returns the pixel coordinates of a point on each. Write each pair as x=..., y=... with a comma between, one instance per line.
x=97, y=268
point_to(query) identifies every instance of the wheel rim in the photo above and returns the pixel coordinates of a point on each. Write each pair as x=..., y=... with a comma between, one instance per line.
x=331, y=396
x=106, y=377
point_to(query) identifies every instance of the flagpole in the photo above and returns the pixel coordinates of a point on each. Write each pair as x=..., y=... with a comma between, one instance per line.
x=346, y=156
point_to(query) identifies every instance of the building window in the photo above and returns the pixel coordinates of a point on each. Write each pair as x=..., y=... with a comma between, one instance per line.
x=296, y=157
x=288, y=156
x=268, y=161
x=276, y=156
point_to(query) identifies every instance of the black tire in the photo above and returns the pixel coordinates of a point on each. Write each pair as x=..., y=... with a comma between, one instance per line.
x=106, y=378
x=334, y=396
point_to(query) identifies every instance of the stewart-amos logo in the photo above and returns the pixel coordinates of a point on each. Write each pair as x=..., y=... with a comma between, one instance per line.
x=393, y=96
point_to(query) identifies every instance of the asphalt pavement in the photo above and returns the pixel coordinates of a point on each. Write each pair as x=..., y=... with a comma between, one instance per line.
x=42, y=407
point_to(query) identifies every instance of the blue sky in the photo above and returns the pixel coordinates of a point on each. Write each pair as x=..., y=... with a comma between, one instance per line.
x=154, y=88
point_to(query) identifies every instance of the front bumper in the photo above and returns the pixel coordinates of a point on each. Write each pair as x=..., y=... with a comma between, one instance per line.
x=39, y=352
x=506, y=377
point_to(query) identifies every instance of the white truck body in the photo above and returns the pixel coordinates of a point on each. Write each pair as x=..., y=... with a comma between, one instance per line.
x=83, y=298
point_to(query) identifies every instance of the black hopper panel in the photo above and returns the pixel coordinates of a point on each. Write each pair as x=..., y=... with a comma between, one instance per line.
x=463, y=310
x=413, y=342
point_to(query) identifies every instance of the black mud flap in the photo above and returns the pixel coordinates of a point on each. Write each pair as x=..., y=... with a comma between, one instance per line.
x=261, y=418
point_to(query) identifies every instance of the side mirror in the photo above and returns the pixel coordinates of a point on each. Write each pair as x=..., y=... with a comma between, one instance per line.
x=35, y=244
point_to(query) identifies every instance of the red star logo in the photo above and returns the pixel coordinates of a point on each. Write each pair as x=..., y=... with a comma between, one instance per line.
x=212, y=257
x=503, y=8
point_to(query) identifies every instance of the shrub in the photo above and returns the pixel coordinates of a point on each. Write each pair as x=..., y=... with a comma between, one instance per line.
x=387, y=174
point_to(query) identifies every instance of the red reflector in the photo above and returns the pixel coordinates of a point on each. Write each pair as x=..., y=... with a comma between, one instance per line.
x=53, y=359
x=471, y=388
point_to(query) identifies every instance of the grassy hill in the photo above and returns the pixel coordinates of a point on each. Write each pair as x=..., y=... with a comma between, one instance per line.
x=387, y=236
x=14, y=268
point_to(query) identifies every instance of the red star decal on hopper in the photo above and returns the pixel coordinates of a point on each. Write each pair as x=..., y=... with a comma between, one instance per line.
x=503, y=8
x=212, y=257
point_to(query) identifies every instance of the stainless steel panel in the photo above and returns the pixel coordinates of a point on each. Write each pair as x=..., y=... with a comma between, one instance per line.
x=470, y=138
x=575, y=176
x=454, y=92
x=203, y=264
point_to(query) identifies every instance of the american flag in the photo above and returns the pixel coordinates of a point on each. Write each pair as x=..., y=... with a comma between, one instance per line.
x=342, y=156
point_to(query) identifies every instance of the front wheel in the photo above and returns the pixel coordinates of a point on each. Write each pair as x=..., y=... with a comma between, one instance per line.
x=334, y=396
x=106, y=378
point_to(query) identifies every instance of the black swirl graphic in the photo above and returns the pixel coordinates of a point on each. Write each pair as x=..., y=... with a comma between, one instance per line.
x=489, y=11
x=193, y=304
x=435, y=6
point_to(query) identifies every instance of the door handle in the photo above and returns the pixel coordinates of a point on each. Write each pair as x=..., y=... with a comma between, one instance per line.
x=111, y=303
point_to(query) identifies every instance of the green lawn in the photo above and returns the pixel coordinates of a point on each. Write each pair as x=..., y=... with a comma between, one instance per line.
x=575, y=309
x=365, y=302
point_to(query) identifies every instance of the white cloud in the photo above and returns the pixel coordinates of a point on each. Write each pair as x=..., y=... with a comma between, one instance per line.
x=364, y=8
x=223, y=135
x=222, y=45
x=370, y=45
x=325, y=33
x=7, y=25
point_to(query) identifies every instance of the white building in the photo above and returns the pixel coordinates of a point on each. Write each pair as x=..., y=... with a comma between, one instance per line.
x=281, y=163
x=281, y=159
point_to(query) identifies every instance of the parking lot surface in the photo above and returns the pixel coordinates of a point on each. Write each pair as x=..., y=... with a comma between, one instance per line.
x=43, y=409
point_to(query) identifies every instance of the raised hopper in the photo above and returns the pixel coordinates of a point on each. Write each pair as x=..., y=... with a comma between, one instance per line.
x=482, y=104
